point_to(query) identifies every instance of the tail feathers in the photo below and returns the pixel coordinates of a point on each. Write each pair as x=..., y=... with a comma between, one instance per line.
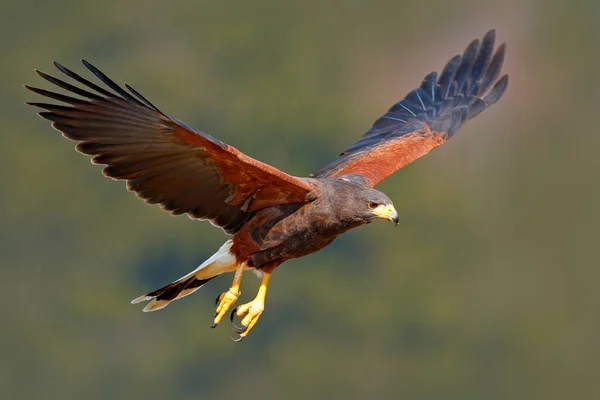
x=161, y=298
x=221, y=262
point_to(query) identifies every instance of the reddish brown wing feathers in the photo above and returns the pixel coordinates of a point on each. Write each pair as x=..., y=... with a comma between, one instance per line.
x=267, y=185
x=427, y=116
x=163, y=160
x=387, y=158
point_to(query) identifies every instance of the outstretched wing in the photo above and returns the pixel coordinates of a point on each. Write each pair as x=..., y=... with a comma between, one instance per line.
x=163, y=160
x=427, y=116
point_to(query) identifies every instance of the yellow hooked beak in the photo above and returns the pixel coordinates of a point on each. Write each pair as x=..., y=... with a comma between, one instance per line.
x=386, y=212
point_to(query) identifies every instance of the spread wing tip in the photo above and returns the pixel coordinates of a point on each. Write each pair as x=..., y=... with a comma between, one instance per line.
x=427, y=116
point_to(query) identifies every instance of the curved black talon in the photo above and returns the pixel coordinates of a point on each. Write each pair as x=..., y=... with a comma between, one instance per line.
x=236, y=329
x=217, y=301
x=213, y=326
x=239, y=339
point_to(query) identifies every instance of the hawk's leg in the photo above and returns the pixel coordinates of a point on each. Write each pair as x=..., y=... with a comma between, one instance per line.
x=227, y=299
x=252, y=310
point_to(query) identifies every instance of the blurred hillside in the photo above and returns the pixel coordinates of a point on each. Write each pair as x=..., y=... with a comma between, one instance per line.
x=486, y=290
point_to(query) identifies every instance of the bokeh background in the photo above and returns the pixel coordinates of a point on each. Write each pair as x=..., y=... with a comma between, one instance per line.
x=488, y=289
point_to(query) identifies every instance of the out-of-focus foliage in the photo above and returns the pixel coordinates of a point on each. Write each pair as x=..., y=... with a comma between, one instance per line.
x=487, y=290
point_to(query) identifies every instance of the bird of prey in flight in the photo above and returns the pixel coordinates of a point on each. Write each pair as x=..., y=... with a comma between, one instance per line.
x=270, y=215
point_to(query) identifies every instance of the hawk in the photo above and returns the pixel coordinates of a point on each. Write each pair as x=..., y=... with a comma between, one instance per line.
x=270, y=215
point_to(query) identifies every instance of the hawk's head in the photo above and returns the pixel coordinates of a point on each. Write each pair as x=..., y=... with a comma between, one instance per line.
x=372, y=204
x=355, y=201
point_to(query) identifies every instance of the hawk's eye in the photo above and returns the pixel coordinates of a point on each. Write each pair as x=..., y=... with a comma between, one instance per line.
x=373, y=206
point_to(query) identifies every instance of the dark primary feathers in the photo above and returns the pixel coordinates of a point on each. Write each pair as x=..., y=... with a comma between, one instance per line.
x=427, y=116
x=163, y=160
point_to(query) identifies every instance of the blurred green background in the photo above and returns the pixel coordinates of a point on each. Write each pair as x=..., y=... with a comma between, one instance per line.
x=488, y=289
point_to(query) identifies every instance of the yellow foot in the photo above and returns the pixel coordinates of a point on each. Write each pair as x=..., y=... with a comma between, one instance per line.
x=223, y=303
x=252, y=312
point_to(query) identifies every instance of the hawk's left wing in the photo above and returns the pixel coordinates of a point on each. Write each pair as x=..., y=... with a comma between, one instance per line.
x=427, y=116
